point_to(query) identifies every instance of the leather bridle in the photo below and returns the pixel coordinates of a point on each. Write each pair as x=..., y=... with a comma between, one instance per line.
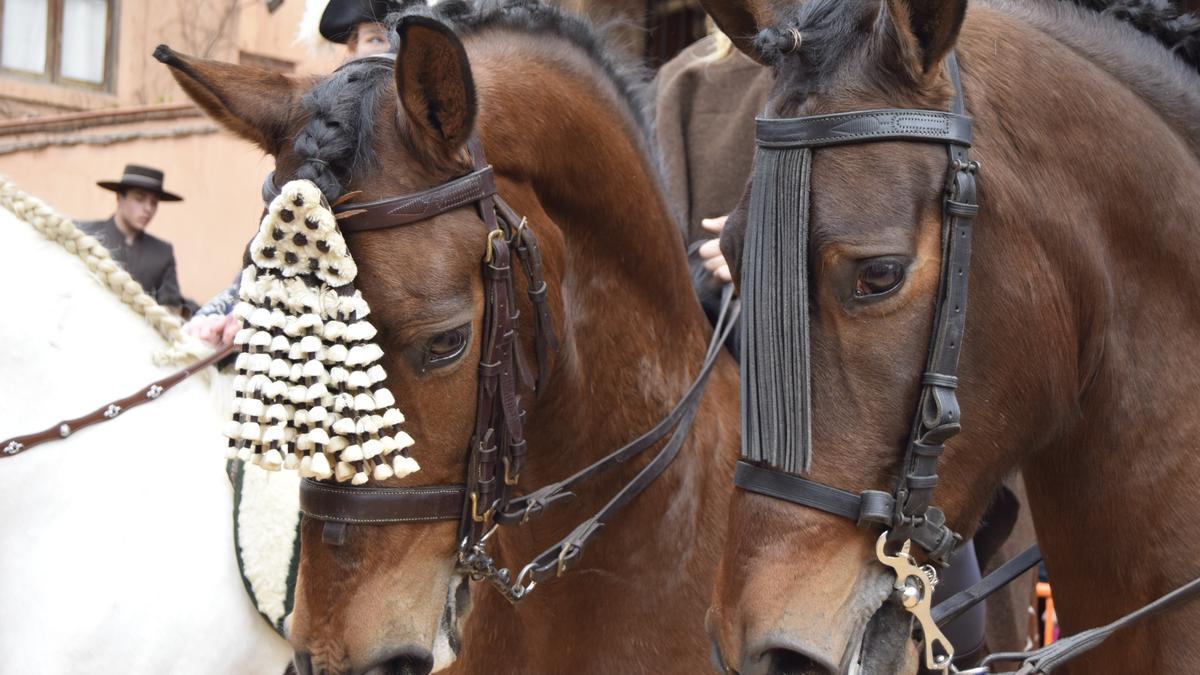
x=906, y=513
x=497, y=449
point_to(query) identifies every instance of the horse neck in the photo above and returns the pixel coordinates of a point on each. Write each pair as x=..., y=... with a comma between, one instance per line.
x=634, y=338
x=1106, y=207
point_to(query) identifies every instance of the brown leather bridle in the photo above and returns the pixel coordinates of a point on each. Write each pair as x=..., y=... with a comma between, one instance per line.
x=497, y=450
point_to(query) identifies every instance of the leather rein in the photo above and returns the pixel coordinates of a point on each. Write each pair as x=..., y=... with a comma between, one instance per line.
x=497, y=450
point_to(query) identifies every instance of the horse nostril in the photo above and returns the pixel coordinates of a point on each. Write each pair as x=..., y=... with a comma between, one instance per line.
x=408, y=661
x=788, y=662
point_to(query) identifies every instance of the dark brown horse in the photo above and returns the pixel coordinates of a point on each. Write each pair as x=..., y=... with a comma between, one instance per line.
x=1084, y=316
x=568, y=145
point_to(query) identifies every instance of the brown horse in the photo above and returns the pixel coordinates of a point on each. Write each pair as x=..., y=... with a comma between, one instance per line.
x=1077, y=362
x=568, y=145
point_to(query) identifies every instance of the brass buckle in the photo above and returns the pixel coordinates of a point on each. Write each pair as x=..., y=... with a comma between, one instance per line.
x=562, y=559
x=508, y=478
x=495, y=234
x=475, y=510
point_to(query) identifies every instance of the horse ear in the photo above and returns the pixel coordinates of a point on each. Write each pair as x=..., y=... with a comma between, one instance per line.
x=251, y=102
x=926, y=29
x=737, y=19
x=434, y=82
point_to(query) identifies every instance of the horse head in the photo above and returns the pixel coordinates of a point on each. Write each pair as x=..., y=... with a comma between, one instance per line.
x=800, y=590
x=568, y=152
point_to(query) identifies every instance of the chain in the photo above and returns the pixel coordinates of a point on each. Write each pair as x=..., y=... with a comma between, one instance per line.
x=474, y=560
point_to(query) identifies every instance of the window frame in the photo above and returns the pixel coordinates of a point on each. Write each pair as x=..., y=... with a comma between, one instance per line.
x=52, y=71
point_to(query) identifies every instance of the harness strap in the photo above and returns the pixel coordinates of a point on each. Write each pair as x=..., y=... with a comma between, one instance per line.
x=1044, y=660
x=864, y=126
x=523, y=509
x=557, y=559
x=961, y=602
x=342, y=504
x=13, y=446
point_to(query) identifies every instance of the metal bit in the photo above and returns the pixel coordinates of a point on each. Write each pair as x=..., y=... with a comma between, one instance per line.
x=915, y=584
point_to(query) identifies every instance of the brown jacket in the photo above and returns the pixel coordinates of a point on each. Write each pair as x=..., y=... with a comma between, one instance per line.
x=704, y=129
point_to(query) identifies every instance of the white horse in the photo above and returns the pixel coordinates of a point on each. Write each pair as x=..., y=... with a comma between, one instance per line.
x=117, y=543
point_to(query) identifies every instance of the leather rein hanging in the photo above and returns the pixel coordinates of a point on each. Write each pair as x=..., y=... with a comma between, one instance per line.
x=497, y=450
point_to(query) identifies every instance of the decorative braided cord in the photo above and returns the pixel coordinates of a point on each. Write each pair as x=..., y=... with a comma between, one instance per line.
x=181, y=348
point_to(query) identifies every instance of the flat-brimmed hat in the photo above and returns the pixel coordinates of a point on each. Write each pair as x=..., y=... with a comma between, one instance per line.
x=341, y=16
x=143, y=178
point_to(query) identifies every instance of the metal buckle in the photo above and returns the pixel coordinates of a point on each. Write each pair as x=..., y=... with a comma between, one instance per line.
x=495, y=234
x=475, y=515
x=510, y=479
x=562, y=559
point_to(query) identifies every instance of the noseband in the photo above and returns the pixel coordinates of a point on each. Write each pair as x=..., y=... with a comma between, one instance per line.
x=497, y=449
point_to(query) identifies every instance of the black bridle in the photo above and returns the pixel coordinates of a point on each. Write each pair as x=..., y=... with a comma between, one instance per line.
x=774, y=346
x=906, y=513
x=497, y=449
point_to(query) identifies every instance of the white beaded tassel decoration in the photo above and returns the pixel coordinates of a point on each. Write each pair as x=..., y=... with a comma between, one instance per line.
x=309, y=389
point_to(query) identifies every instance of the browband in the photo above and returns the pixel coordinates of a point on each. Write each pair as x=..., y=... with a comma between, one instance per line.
x=864, y=126
x=407, y=209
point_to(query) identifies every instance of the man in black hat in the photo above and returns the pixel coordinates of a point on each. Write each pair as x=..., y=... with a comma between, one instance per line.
x=148, y=259
x=358, y=24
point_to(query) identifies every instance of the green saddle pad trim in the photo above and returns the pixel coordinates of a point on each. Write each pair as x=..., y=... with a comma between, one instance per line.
x=236, y=471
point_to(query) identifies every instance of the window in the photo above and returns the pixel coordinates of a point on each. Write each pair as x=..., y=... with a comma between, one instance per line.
x=63, y=41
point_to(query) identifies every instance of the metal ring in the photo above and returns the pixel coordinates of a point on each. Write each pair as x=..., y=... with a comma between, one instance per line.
x=797, y=38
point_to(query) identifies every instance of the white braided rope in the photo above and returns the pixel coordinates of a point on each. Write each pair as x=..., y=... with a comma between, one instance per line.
x=181, y=347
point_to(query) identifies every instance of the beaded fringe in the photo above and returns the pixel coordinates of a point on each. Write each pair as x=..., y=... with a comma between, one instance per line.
x=309, y=389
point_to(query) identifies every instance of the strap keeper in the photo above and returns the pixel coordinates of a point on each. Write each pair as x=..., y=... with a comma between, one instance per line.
x=333, y=533
x=540, y=294
x=922, y=482
x=939, y=380
x=876, y=509
x=927, y=449
x=962, y=209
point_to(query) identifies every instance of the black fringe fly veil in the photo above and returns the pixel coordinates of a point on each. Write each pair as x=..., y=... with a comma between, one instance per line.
x=776, y=377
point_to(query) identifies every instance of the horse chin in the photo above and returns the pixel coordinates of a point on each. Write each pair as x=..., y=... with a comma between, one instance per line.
x=448, y=641
x=884, y=647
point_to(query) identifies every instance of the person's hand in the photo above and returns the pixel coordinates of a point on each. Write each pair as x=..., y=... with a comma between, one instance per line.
x=710, y=251
x=215, y=329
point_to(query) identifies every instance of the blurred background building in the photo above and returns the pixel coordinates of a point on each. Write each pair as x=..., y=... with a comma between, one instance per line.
x=81, y=96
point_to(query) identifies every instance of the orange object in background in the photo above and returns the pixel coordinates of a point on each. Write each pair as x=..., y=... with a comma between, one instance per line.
x=1049, y=620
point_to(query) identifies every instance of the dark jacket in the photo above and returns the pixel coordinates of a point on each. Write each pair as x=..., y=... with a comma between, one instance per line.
x=704, y=112
x=704, y=128
x=149, y=260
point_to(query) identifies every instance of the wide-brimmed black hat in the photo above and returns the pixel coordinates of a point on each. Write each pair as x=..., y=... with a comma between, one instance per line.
x=142, y=177
x=341, y=16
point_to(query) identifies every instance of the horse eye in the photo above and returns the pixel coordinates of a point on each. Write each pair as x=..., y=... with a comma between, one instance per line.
x=445, y=347
x=878, y=276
